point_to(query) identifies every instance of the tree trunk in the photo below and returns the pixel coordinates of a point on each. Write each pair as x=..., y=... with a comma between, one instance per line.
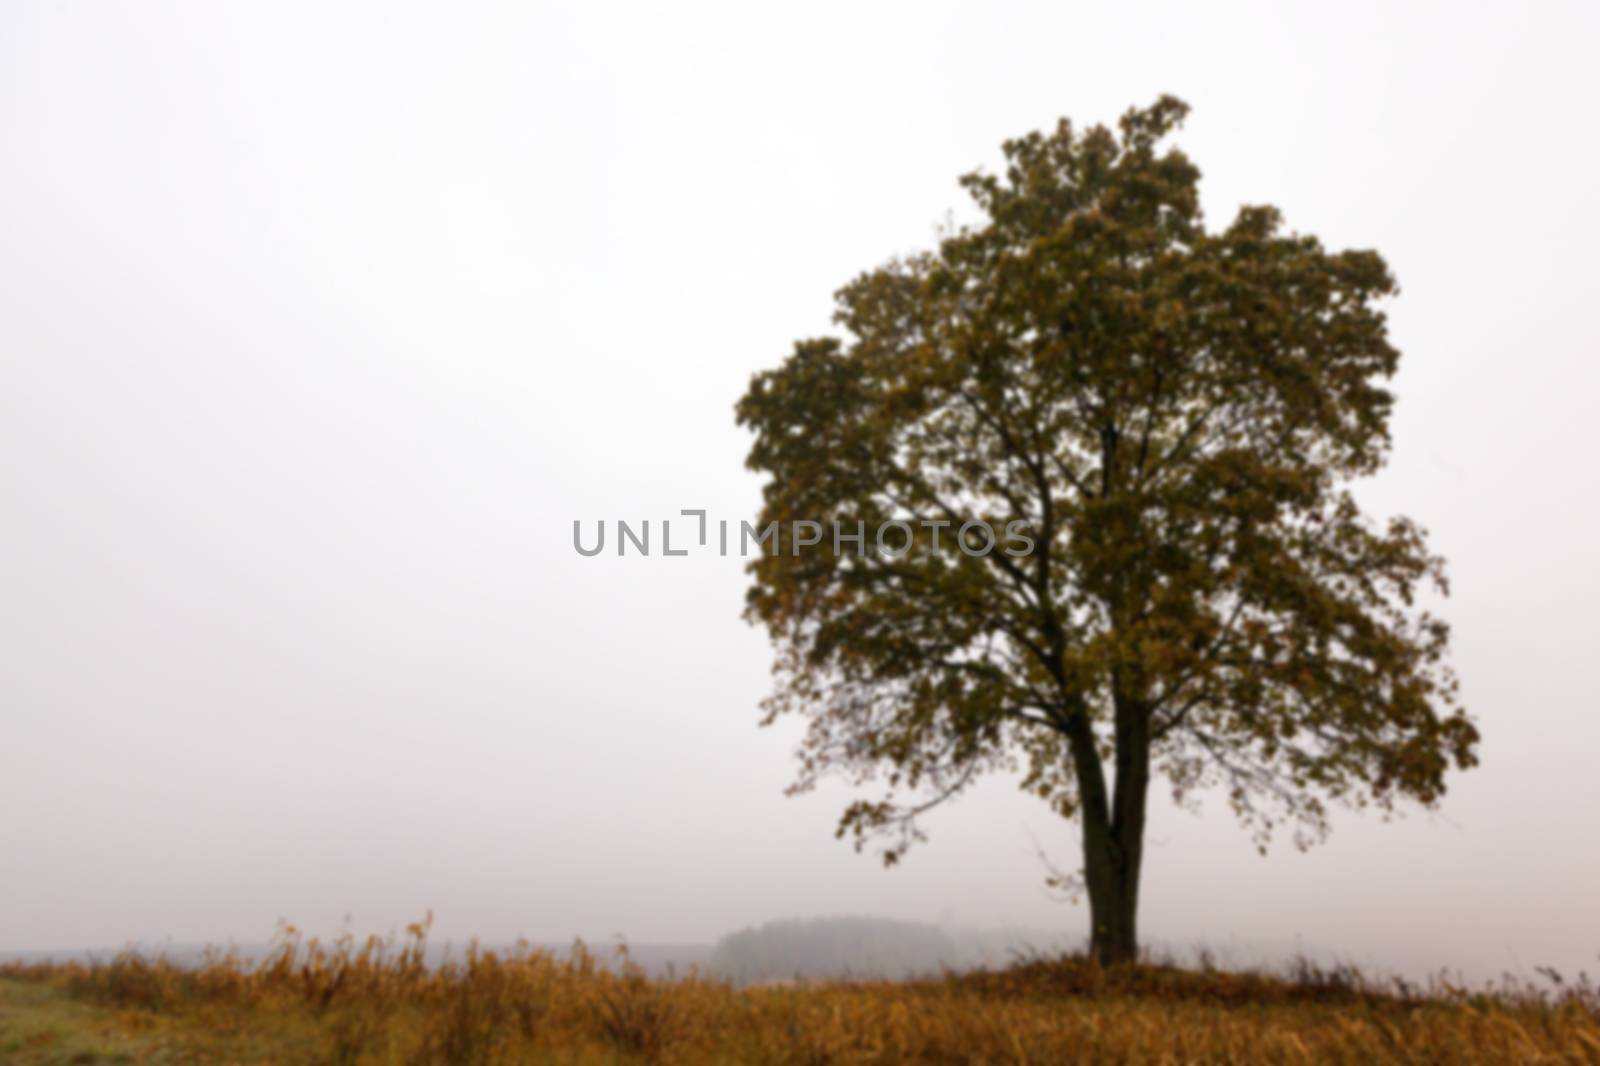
x=1113, y=833
x=1112, y=879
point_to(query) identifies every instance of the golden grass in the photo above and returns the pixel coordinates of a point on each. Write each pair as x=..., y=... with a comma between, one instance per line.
x=378, y=1002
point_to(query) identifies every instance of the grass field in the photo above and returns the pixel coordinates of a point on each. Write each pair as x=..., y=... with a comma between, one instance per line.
x=378, y=1002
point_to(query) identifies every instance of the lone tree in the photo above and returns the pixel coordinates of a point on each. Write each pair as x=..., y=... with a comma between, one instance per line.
x=1175, y=414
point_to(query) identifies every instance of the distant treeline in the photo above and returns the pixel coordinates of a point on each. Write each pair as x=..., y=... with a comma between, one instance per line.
x=865, y=947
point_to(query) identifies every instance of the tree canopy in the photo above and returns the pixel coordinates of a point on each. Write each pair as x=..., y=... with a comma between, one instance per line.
x=1176, y=414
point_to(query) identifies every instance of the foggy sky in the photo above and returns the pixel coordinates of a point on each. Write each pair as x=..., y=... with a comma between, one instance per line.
x=319, y=325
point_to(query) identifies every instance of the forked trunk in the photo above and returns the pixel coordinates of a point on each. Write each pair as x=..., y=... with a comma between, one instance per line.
x=1112, y=879
x=1113, y=834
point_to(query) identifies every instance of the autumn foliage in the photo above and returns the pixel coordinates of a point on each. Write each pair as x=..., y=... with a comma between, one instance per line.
x=1177, y=413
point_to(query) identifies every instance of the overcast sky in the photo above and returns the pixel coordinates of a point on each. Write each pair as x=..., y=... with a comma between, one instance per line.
x=319, y=325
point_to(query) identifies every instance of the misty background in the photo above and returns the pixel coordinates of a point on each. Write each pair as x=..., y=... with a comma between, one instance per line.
x=320, y=324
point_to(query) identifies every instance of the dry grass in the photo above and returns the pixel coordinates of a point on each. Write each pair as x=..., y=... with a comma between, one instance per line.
x=379, y=1002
